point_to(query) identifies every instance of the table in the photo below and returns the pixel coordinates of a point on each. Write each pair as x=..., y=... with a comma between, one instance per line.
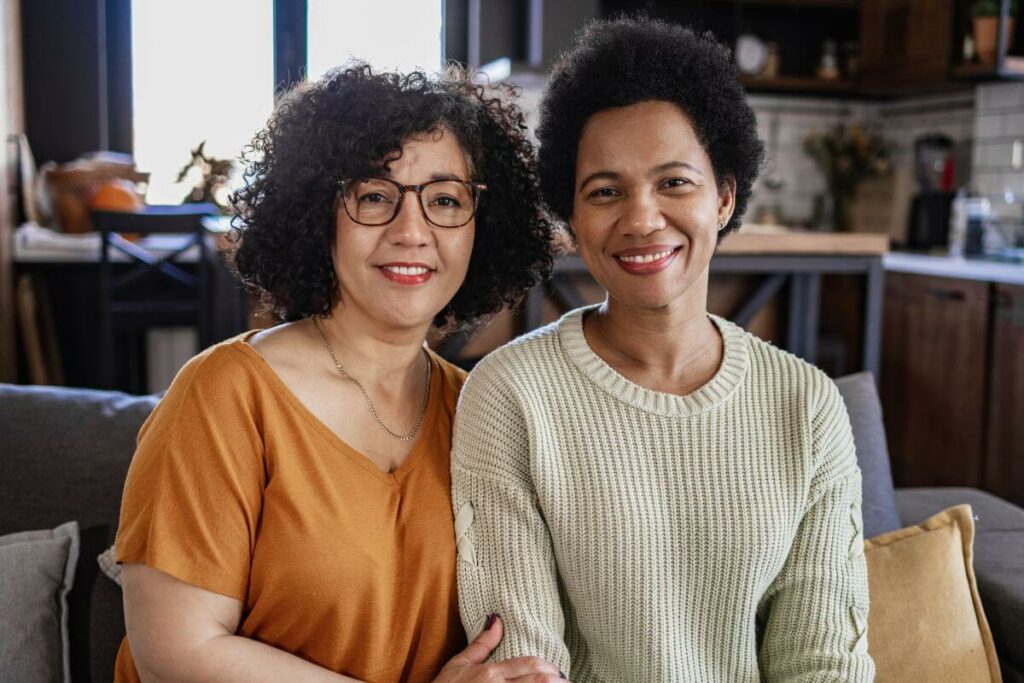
x=71, y=289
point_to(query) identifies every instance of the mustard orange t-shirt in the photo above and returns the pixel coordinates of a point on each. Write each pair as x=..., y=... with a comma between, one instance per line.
x=237, y=488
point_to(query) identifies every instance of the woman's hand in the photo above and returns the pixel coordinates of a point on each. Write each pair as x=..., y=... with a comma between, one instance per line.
x=468, y=666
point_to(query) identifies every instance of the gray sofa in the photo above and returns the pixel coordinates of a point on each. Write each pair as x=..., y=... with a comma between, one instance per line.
x=64, y=454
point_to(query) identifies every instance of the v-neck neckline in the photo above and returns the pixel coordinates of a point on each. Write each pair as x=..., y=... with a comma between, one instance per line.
x=420, y=445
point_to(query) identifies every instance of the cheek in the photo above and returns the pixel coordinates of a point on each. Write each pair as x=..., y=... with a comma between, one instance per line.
x=352, y=247
x=457, y=250
x=591, y=228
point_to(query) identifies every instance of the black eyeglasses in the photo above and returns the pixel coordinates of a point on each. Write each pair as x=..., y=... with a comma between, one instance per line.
x=377, y=201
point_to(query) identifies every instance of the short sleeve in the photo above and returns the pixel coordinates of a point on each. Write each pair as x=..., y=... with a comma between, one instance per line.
x=193, y=496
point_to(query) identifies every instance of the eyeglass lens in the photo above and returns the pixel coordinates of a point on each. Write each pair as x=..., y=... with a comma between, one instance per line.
x=446, y=203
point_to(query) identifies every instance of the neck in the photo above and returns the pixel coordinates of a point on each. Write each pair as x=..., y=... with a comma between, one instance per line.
x=677, y=342
x=373, y=352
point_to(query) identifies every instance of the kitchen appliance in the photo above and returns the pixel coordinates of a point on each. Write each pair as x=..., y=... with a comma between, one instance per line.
x=930, y=206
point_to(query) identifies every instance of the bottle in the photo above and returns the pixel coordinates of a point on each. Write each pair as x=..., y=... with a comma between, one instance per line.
x=958, y=224
x=979, y=213
x=828, y=67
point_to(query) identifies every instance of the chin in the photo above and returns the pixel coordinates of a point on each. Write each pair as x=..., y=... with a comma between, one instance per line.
x=404, y=317
x=650, y=297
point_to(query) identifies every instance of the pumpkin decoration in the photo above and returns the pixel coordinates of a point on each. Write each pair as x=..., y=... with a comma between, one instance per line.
x=116, y=195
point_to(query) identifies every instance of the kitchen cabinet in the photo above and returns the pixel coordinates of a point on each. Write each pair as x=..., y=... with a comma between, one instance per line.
x=905, y=44
x=933, y=378
x=1004, y=452
x=952, y=383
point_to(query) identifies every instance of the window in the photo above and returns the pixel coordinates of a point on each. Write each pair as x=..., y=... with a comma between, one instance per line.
x=388, y=34
x=202, y=71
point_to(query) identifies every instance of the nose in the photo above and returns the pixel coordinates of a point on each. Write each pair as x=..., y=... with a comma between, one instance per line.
x=642, y=216
x=410, y=227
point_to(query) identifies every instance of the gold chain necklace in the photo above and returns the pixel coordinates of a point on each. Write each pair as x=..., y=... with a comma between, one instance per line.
x=373, y=411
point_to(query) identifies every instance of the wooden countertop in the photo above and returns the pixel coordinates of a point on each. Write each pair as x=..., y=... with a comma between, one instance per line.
x=757, y=241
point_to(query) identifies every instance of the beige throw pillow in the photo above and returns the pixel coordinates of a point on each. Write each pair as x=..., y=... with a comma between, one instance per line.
x=926, y=622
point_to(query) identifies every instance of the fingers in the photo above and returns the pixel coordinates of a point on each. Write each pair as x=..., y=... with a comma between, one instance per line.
x=480, y=649
x=539, y=678
x=523, y=668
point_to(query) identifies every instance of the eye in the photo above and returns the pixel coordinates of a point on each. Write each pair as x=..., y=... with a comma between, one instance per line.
x=674, y=184
x=603, y=195
x=446, y=201
x=374, y=198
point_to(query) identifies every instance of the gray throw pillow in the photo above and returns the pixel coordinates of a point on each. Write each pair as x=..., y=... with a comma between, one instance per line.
x=36, y=572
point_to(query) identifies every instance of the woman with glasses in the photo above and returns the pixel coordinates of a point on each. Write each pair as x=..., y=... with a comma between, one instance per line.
x=287, y=515
x=647, y=492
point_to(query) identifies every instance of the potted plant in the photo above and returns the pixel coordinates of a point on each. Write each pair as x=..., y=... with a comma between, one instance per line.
x=846, y=155
x=986, y=27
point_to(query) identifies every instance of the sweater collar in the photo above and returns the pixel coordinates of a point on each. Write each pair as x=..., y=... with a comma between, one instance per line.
x=735, y=359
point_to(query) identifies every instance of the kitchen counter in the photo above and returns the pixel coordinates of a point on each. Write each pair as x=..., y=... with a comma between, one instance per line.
x=954, y=267
x=755, y=240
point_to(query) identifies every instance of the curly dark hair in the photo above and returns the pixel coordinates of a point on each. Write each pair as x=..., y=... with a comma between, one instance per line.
x=627, y=60
x=352, y=124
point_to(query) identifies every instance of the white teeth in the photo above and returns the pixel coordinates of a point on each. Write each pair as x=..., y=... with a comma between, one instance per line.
x=407, y=270
x=645, y=259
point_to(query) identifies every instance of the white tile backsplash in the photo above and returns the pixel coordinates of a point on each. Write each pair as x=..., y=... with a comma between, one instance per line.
x=998, y=96
x=902, y=122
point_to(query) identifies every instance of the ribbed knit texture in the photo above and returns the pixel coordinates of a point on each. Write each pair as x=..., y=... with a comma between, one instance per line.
x=631, y=535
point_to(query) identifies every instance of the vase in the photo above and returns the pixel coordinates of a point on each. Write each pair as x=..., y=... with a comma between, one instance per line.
x=831, y=212
x=840, y=213
x=986, y=35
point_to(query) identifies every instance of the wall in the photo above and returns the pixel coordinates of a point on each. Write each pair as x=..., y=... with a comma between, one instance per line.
x=882, y=203
x=998, y=125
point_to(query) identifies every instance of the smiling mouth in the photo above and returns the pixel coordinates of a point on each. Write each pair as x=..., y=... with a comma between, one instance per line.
x=406, y=274
x=646, y=264
x=647, y=258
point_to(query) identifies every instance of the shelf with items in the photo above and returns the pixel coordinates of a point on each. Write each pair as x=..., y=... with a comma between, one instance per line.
x=988, y=40
x=809, y=85
x=786, y=40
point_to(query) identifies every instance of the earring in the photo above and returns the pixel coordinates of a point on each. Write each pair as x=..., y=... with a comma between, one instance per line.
x=721, y=224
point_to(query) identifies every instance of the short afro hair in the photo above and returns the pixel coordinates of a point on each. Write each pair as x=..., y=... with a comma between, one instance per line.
x=352, y=124
x=628, y=60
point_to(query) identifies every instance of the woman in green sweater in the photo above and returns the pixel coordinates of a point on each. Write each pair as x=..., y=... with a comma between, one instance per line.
x=644, y=491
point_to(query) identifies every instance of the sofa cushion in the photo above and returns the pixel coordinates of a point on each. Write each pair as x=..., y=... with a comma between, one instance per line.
x=37, y=569
x=998, y=559
x=64, y=456
x=926, y=620
x=879, y=505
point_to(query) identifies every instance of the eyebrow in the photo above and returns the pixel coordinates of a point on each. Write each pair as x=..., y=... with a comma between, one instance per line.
x=445, y=176
x=660, y=168
x=434, y=176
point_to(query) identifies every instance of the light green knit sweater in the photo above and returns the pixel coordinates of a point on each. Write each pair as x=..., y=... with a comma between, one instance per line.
x=631, y=535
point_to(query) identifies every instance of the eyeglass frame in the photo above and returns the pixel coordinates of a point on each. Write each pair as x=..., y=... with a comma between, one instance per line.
x=475, y=188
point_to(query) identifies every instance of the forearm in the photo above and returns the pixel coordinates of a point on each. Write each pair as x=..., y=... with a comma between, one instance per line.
x=507, y=567
x=231, y=658
x=816, y=609
x=506, y=561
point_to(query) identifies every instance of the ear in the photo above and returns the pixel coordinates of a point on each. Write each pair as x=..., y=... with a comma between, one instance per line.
x=726, y=200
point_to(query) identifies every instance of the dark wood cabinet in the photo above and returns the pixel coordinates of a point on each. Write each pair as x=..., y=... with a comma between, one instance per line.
x=906, y=44
x=1004, y=453
x=933, y=378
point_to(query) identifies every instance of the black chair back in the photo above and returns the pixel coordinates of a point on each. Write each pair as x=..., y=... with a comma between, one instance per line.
x=165, y=282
